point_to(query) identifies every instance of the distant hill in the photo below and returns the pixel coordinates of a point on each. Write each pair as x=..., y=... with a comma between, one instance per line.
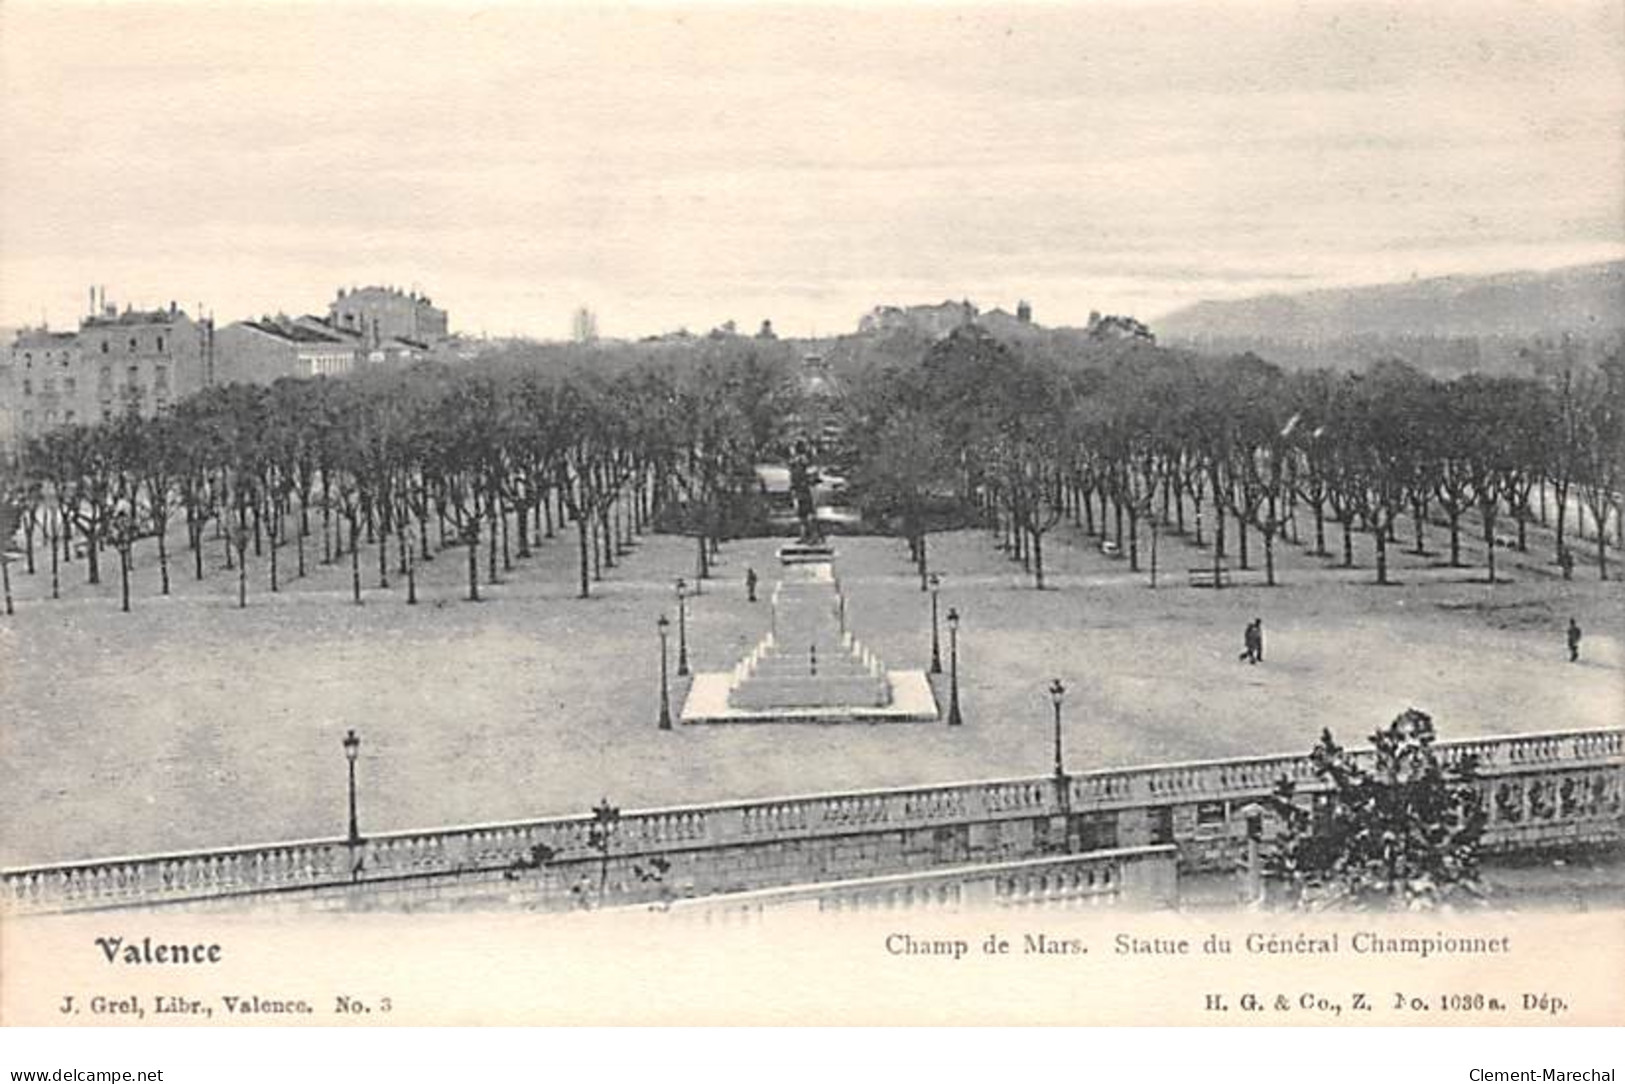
x=1587, y=301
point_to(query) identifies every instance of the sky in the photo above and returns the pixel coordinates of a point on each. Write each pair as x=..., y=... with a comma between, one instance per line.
x=681, y=166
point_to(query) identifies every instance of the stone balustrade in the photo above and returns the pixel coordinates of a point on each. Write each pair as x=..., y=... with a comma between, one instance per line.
x=1135, y=876
x=1540, y=788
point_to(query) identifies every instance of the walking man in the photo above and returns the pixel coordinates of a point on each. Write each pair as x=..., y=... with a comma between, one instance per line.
x=1252, y=643
x=1574, y=640
x=750, y=584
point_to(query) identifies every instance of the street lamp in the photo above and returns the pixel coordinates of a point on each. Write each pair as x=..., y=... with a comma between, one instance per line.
x=1057, y=694
x=352, y=749
x=664, y=624
x=936, y=649
x=682, y=627
x=954, y=718
x=1063, y=788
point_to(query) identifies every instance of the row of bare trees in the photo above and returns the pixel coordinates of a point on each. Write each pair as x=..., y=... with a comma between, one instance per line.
x=1236, y=453
x=492, y=458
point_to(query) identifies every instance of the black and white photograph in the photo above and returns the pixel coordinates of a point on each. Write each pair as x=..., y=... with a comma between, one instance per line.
x=1081, y=488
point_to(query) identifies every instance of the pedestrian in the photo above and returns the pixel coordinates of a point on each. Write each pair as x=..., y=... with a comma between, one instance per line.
x=750, y=584
x=1574, y=640
x=1252, y=640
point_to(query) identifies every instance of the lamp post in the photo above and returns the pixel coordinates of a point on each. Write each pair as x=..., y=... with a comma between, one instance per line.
x=1057, y=695
x=936, y=649
x=954, y=718
x=1063, y=786
x=352, y=749
x=664, y=624
x=682, y=627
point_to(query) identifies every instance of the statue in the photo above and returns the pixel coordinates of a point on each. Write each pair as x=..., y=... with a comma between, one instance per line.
x=803, y=476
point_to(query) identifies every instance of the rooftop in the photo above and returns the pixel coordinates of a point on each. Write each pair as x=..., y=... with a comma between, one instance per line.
x=33, y=336
x=289, y=331
x=133, y=317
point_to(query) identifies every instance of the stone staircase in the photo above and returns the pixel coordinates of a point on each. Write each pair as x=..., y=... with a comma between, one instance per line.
x=809, y=659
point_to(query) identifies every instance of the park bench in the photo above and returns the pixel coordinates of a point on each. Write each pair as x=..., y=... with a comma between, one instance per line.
x=1110, y=548
x=1208, y=576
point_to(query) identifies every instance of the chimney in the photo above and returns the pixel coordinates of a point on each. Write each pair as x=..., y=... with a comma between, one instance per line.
x=93, y=301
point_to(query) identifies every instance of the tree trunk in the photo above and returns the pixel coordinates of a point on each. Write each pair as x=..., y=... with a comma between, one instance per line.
x=491, y=516
x=163, y=559
x=1038, y=559
x=383, y=555
x=355, y=563
x=597, y=547
x=1218, y=558
x=1381, y=536
x=585, y=557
